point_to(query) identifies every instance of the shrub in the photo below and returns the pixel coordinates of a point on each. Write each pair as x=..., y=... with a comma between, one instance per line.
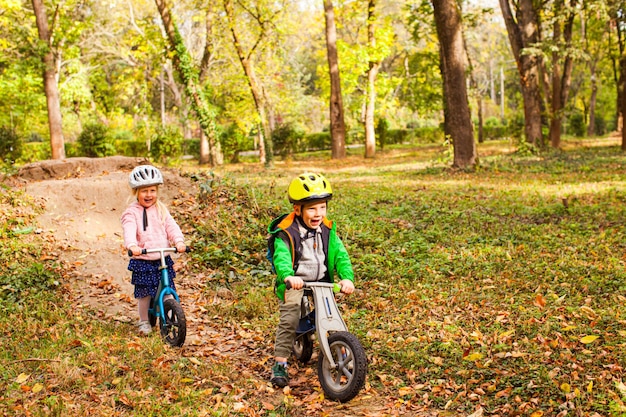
x=167, y=145
x=382, y=127
x=600, y=125
x=316, y=141
x=10, y=145
x=36, y=151
x=576, y=125
x=95, y=141
x=286, y=139
x=233, y=141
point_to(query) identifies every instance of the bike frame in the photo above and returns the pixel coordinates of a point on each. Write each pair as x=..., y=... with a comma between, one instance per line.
x=327, y=316
x=164, y=286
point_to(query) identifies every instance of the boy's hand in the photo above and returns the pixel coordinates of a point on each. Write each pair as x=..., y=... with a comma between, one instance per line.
x=296, y=282
x=181, y=247
x=347, y=286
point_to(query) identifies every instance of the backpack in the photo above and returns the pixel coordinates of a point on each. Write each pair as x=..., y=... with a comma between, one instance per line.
x=273, y=234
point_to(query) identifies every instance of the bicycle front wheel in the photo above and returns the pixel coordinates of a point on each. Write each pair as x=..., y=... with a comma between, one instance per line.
x=174, y=329
x=345, y=380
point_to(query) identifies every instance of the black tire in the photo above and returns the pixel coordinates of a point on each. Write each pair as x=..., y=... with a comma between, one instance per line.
x=345, y=381
x=303, y=348
x=151, y=317
x=174, y=330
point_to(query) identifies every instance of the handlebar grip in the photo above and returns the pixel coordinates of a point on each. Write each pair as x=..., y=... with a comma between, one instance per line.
x=288, y=285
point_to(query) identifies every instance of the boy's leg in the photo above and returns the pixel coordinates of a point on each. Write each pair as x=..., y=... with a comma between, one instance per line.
x=285, y=335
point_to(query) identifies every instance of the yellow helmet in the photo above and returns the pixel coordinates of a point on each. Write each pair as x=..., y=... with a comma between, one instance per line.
x=308, y=187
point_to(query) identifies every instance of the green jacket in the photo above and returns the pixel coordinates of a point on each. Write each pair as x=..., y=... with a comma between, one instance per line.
x=286, y=256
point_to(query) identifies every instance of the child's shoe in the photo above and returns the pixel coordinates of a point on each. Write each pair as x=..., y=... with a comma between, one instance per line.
x=280, y=377
x=144, y=328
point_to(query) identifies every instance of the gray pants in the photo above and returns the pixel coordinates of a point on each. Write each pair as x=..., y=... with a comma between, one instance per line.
x=288, y=322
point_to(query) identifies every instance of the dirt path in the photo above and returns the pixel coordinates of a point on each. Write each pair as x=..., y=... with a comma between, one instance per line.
x=83, y=201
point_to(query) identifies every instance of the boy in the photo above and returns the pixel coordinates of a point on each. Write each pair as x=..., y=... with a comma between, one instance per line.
x=308, y=249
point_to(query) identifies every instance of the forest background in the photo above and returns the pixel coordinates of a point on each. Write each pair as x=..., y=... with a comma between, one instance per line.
x=122, y=87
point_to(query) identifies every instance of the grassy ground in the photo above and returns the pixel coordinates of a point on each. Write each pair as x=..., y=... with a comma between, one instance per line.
x=499, y=291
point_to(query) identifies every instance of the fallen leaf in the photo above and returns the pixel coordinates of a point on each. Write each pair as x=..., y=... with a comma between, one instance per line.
x=37, y=387
x=473, y=357
x=588, y=339
x=539, y=301
x=21, y=378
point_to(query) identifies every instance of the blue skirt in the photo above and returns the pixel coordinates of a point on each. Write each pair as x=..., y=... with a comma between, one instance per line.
x=147, y=276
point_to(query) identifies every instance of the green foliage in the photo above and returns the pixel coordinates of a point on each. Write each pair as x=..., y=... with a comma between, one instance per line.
x=131, y=147
x=36, y=151
x=166, y=145
x=10, y=145
x=576, y=125
x=382, y=129
x=316, y=141
x=95, y=141
x=287, y=138
x=234, y=140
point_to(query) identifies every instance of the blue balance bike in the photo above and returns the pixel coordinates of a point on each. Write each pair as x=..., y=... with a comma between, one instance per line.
x=168, y=311
x=342, y=362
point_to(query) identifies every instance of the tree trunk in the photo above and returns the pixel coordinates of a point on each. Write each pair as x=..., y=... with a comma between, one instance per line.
x=260, y=102
x=53, y=100
x=458, y=119
x=189, y=75
x=561, y=82
x=591, y=127
x=523, y=33
x=374, y=66
x=622, y=63
x=337, y=123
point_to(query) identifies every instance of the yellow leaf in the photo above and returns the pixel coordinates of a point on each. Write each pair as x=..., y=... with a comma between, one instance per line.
x=21, y=378
x=405, y=391
x=588, y=339
x=538, y=413
x=37, y=387
x=186, y=380
x=568, y=328
x=565, y=387
x=116, y=381
x=473, y=357
x=590, y=387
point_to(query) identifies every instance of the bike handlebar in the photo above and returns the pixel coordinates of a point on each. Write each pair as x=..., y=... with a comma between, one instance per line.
x=336, y=287
x=145, y=251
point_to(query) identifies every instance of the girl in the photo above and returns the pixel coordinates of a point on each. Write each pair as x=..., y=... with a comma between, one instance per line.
x=147, y=224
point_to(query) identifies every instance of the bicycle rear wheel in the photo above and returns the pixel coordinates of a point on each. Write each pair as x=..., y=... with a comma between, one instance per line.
x=303, y=348
x=174, y=330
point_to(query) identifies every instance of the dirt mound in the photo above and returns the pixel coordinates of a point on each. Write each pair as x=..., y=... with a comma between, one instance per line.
x=73, y=167
x=83, y=199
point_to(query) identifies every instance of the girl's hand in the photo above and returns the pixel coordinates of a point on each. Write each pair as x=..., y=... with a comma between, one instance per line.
x=136, y=250
x=347, y=286
x=181, y=247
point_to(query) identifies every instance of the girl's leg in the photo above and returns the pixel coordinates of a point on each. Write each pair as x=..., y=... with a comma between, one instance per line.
x=142, y=305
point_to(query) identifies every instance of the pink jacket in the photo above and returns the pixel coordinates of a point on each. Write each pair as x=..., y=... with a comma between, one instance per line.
x=158, y=234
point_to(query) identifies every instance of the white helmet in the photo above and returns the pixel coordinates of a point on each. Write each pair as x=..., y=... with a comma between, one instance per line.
x=144, y=176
